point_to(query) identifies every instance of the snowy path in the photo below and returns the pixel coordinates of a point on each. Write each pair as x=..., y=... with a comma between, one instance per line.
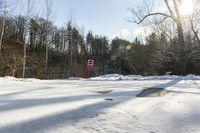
x=61, y=106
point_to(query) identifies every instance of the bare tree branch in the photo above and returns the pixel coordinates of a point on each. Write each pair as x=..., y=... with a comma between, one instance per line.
x=140, y=20
x=170, y=10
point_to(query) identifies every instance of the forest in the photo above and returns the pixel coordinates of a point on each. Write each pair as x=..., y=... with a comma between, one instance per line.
x=34, y=47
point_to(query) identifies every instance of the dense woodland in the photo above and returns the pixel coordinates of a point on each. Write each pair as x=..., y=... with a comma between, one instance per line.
x=34, y=47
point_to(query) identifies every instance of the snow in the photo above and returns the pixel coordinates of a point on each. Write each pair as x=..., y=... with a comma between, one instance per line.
x=75, y=106
x=8, y=78
x=109, y=77
x=113, y=77
x=75, y=78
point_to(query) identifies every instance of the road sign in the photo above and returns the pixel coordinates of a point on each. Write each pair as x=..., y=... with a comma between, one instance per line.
x=90, y=65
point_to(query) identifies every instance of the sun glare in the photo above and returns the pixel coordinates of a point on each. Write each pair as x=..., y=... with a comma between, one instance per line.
x=186, y=8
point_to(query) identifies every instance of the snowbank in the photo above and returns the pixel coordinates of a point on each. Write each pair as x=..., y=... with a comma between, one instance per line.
x=114, y=77
x=75, y=78
x=109, y=77
x=9, y=78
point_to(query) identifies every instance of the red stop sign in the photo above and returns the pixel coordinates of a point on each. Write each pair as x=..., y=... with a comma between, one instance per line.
x=90, y=65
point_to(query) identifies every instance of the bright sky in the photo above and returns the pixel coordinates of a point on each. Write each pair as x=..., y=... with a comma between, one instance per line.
x=105, y=17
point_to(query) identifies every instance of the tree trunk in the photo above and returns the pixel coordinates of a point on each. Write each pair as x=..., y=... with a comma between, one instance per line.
x=181, y=40
x=26, y=37
x=179, y=26
x=4, y=22
x=48, y=10
x=194, y=31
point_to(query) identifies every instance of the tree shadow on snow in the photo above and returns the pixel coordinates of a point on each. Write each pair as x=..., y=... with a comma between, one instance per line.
x=65, y=117
x=26, y=103
x=25, y=91
x=158, y=90
x=166, y=85
x=69, y=116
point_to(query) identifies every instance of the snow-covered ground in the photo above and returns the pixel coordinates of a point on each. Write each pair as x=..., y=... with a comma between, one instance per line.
x=75, y=106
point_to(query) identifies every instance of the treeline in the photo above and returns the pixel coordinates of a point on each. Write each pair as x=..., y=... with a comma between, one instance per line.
x=175, y=42
x=69, y=50
x=34, y=47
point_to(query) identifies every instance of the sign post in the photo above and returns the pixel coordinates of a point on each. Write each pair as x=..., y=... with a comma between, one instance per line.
x=90, y=64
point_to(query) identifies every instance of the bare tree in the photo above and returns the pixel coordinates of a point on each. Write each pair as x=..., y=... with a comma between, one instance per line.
x=48, y=14
x=4, y=21
x=14, y=61
x=26, y=34
x=173, y=13
x=194, y=20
